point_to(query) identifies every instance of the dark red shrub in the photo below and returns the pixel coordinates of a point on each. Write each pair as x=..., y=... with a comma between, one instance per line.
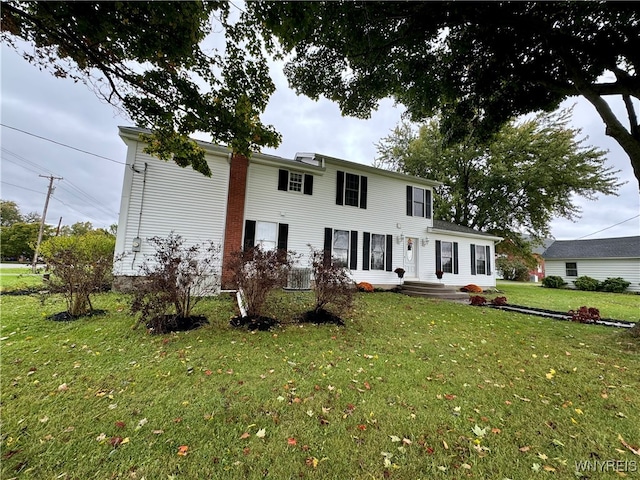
x=499, y=301
x=585, y=315
x=365, y=287
x=477, y=300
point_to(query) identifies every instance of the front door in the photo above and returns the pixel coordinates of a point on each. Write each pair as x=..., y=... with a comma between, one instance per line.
x=411, y=257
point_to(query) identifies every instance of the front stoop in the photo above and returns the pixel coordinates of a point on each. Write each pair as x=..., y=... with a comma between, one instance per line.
x=432, y=290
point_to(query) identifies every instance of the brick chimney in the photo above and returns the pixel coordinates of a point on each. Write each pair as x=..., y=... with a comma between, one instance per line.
x=234, y=222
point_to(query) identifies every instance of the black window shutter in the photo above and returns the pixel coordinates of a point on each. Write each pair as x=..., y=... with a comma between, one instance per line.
x=340, y=189
x=328, y=234
x=389, y=253
x=249, y=234
x=283, y=235
x=438, y=255
x=488, y=254
x=455, y=257
x=353, y=253
x=473, y=259
x=427, y=203
x=283, y=180
x=366, y=246
x=363, y=192
x=409, y=200
x=308, y=184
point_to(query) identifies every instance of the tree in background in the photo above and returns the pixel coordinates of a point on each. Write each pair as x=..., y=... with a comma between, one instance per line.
x=148, y=59
x=514, y=184
x=18, y=232
x=9, y=213
x=477, y=64
x=18, y=241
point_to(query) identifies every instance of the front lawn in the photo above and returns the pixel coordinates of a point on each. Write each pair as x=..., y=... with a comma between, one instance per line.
x=620, y=306
x=410, y=388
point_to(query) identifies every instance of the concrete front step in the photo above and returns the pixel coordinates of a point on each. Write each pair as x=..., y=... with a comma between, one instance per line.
x=432, y=290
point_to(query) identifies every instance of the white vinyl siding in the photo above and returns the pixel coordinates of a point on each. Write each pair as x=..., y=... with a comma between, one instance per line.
x=598, y=268
x=168, y=198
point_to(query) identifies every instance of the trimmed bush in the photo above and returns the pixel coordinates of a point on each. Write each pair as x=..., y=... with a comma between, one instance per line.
x=81, y=265
x=553, y=281
x=614, y=285
x=587, y=283
x=365, y=287
x=471, y=288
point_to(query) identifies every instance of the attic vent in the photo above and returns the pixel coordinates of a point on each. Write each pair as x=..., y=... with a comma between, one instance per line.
x=299, y=279
x=308, y=158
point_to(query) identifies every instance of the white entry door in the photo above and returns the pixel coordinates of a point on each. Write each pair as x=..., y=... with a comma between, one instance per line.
x=411, y=257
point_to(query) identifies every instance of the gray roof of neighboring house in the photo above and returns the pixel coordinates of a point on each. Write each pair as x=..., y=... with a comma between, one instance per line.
x=452, y=227
x=620, y=247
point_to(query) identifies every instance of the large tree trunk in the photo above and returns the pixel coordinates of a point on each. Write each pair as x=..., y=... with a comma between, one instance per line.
x=629, y=142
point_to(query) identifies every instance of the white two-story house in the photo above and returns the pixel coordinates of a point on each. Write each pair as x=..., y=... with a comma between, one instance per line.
x=373, y=221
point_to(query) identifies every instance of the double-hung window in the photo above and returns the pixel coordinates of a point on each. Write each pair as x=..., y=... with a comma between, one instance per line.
x=447, y=256
x=480, y=259
x=571, y=269
x=377, y=251
x=418, y=202
x=268, y=235
x=340, y=251
x=342, y=246
x=351, y=189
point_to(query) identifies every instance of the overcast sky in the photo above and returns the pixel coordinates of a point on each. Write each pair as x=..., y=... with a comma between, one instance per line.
x=70, y=114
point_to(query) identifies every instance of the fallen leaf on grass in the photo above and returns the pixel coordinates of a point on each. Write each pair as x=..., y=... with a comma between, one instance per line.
x=292, y=441
x=312, y=462
x=183, y=450
x=261, y=433
x=525, y=448
x=633, y=450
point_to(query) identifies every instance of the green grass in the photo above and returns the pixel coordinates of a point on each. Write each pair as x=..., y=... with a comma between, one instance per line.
x=611, y=305
x=19, y=278
x=396, y=393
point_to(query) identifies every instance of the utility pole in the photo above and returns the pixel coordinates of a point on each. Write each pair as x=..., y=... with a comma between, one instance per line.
x=44, y=216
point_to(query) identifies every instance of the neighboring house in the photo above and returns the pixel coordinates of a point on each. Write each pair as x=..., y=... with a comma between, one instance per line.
x=538, y=273
x=598, y=258
x=373, y=221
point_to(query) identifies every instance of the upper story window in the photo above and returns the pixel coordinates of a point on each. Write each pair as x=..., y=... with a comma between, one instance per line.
x=295, y=182
x=571, y=269
x=418, y=202
x=351, y=189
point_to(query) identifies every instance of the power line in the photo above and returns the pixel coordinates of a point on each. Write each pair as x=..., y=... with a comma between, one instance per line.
x=63, y=144
x=24, y=188
x=611, y=226
x=87, y=198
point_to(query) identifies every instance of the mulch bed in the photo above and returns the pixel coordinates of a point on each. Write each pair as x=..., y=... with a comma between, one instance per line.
x=171, y=323
x=255, y=322
x=320, y=317
x=67, y=317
